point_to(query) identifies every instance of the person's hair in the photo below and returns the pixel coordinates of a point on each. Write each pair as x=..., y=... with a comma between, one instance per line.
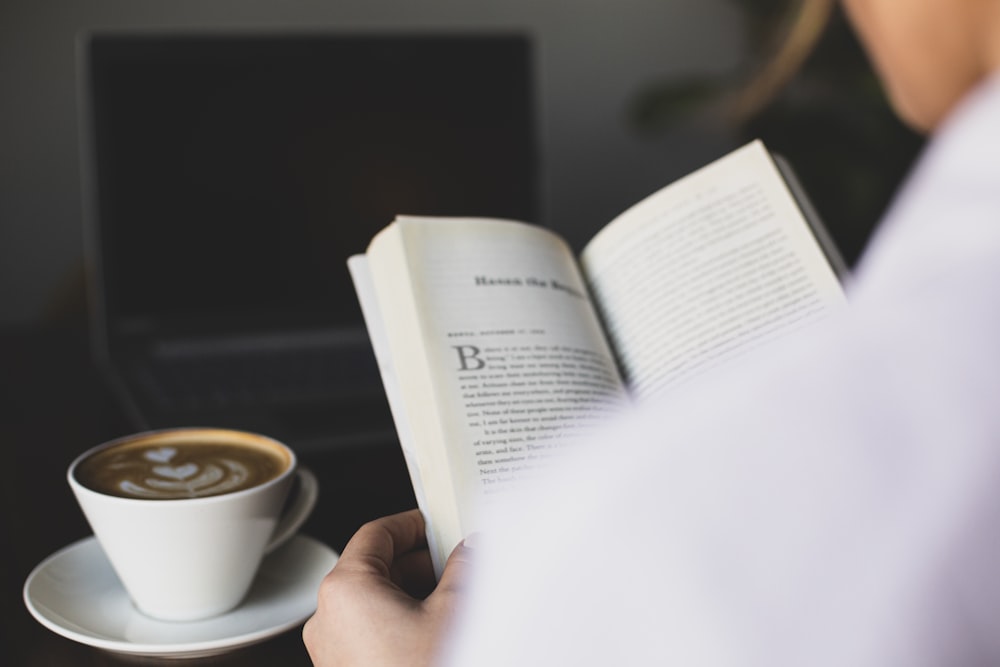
x=806, y=21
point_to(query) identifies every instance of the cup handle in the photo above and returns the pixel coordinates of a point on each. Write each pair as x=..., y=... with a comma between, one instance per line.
x=298, y=510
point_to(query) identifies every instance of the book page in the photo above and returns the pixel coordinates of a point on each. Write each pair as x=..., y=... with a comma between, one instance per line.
x=498, y=353
x=364, y=287
x=707, y=268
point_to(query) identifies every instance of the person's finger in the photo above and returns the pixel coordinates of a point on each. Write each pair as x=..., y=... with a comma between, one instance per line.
x=414, y=573
x=455, y=571
x=377, y=544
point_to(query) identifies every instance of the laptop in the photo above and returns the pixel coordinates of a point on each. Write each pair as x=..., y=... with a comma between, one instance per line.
x=228, y=176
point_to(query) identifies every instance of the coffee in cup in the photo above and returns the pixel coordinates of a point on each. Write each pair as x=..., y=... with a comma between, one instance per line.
x=186, y=515
x=182, y=468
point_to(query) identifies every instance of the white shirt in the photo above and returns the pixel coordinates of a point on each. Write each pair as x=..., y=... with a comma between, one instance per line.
x=834, y=501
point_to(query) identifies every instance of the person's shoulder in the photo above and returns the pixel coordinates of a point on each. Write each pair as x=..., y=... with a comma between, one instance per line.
x=944, y=224
x=965, y=145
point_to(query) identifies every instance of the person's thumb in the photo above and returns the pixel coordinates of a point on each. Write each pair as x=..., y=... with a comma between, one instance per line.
x=456, y=569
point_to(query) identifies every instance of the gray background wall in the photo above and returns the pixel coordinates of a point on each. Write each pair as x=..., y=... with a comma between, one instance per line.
x=592, y=57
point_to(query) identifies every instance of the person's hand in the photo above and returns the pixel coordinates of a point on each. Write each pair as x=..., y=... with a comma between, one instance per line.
x=379, y=606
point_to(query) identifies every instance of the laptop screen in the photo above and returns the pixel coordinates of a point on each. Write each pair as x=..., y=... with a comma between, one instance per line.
x=231, y=175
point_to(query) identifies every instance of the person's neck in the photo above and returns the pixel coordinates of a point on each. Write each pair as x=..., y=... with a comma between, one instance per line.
x=990, y=38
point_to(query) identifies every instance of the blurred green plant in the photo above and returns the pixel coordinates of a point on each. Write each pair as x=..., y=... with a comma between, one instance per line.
x=831, y=120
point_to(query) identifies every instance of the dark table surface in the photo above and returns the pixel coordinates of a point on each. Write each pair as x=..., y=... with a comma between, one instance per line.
x=54, y=405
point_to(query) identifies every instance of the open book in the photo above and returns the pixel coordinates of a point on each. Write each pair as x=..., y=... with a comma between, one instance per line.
x=497, y=346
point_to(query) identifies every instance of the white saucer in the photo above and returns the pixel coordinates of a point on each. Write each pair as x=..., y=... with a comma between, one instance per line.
x=76, y=594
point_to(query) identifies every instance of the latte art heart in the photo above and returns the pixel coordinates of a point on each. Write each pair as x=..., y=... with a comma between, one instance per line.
x=161, y=455
x=180, y=472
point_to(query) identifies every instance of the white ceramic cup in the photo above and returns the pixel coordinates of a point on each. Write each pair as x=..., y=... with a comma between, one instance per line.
x=186, y=559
